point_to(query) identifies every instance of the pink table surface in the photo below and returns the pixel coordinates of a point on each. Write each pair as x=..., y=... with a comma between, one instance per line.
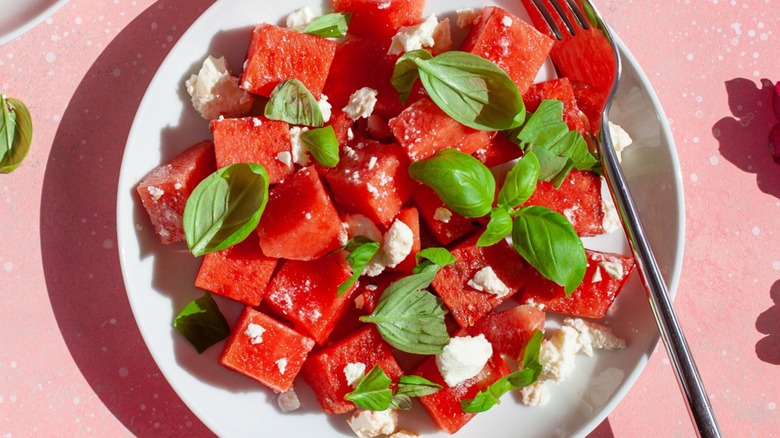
x=72, y=361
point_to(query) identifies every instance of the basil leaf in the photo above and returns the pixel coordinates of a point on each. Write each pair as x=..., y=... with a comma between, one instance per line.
x=201, y=323
x=329, y=25
x=409, y=318
x=323, y=145
x=544, y=127
x=416, y=386
x=487, y=398
x=531, y=357
x=405, y=73
x=15, y=133
x=291, y=102
x=433, y=258
x=401, y=402
x=520, y=181
x=498, y=228
x=358, y=258
x=373, y=391
x=548, y=242
x=225, y=207
x=464, y=184
x=472, y=90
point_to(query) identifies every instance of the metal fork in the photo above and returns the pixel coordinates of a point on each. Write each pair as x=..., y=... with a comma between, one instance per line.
x=585, y=51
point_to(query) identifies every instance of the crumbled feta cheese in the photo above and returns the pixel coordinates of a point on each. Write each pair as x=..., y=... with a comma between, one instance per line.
x=300, y=153
x=215, y=92
x=416, y=37
x=288, y=401
x=463, y=358
x=442, y=214
x=350, y=134
x=372, y=163
x=596, y=275
x=385, y=4
x=372, y=424
x=325, y=108
x=353, y=372
x=535, y=394
x=486, y=280
x=466, y=17
x=285, y=157
x=361, y=103
x=506, y=20
x=397, y=244
x=557, y=354
x=177, y=186
x=611, y=221
x=360, y=225
x=257, y=122
x=300, y=18
x=404, y=434
x=254, y=332
x=594, y=336
x=614, y=269
x=156, y=192
x=620, y=139
x=282, y=365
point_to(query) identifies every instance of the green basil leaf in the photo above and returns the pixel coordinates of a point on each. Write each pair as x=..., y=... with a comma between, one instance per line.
x=548, y=242
x=487, y=398
x=358, y=258
x=544, y=127
x=405, y=73
x=416, y=386
x=472, y=90
x=433, y=258
x=201, y=323
x=332, y=25
x=291, y=102
x=498, y=228
x=323, y=145
x=225, y=207
x=520, y=181
x=373, y=391
x=531, y=357
x=464, y=184
x=409, y=318
x=15, y=133
x=401, y=402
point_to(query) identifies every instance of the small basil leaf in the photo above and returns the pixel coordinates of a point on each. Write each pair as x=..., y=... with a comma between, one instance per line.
x=358, y=258
x=401, y=402
x=225, y=207
x=433, y=258
x=546, y=240
x=498, y=228
x=487, y=398
x=472, y=90
x=323, y=145
x=463, y=183
x=416, y=386
x=520, y=181
x=201, y=323
x=531, y=357
x=409, y=318
x=329, y=25
x=373, y=391
x=405, y=73
x=15, y=133
x=291, y=102
x=544, y=127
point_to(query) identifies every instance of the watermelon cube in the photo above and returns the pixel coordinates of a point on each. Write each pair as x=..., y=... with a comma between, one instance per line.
x=240, y=272
x=380, y=19
x=499, y=151
x=423, y=129
x=508, y=331
x=306, y=294
x=300, y=221
x=444, y=224
x=253, y=140
x=370, y=289
x=372, y=179
x=510, y=42
x=578, y=198
x=265, y=350
x=164, y=190
x=459, y=284
x=325, y=370
x=562, y=90
x=605, y=277
x=276, y=54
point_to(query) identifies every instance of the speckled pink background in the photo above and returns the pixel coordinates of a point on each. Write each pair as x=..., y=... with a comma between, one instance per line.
x=72, y=362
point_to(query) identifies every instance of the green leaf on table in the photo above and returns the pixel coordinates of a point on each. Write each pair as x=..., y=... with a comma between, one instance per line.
x=416, y=386
x=405, y=72
x=332, y=25
x=291, y=102
x=433, y=258
x=499, y=226
x=373, y=391
x=520, y=182
x=323, y=145
x=225, y=207
x=361, y=250
x=201, y=323
x=15, y=133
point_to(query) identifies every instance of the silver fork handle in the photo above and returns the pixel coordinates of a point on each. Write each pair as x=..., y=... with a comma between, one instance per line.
x=688, y=378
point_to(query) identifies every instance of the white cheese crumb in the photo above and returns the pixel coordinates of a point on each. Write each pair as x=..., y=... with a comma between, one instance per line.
x=282, y=365
x=177, y=186
x=350, y=134
x=360, y=225
x=372, y=424
x=156, y=192
x=596, y=275
x=300, y=153
x=353, y=372
x=404, y=434
x=466, y=17
x=384, y=5
x=614, y=269
x=372, y=162
x=486, y=280
x=620, y=139
x=288, y=401
x=215, y=92
x=397, y=244
x=463, y=358
x=325, y=108
x=442, y=214
x=535, y=394
x=594, y=336
x=416, y=37
x=285, y=157
x=254, y=332
x=300, y=18
x=506, y=20
x=611, y=221
x=257, y=122
x=361, y=103
x=557, y=354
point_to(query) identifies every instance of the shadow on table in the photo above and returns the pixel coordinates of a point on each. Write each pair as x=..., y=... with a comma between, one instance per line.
x=768, y=323
x=78, y=227
x=744, y=136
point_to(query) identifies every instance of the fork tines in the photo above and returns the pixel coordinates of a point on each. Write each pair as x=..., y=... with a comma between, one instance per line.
x=568, y=16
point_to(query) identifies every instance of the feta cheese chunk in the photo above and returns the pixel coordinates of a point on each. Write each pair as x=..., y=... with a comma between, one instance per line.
x=535, y=394
x=215, y=92
x=254, y=332
x=611, y=221
x=614, y=269
x=486, y=280
x=300, y=152
x=466, y=17
x=620, y=139
x=353, y=372
x=397, y=244
x=360, y=225
x=361, y=103
x=288, y=401
x=325, y=108
x=442, y=214
x=463, y=358
x=372, y=424
x=416, y=37
x=593, y=336
x=299, y=19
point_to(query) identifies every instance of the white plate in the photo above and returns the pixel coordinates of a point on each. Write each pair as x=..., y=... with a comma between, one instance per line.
x=19, y=16
x=159, y=279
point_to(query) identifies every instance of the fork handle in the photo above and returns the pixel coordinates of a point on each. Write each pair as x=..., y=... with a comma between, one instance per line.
x=688, y=378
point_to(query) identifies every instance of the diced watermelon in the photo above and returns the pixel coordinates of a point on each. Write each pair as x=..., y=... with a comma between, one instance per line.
x=372, y=179
x=510, y=42
x=589, y=101
x=164, y=190
x=300, y=221
x=265, y=350
x=380, y=19
x=324, y=371
x=240, y=272
x=276, y=54
x=423, y=129
x=444, y=406
x=372, y=288
x=411, y=218
x=306, y=293
x=509, y=330
x=499, y=151
x=562, y=90
x=452, y=283
x=592, y=298
x=578, y=198
x=445, y=224
x=253, y=140
x=342, y=125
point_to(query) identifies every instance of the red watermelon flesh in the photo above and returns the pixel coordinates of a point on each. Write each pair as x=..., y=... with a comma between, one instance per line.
x=578, y=198
x=562, y=90
x=444, y=224
x=380, y=19
x=508, y=331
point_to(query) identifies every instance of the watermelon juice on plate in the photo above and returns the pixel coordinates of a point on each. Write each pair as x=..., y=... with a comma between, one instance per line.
x=162, y=280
